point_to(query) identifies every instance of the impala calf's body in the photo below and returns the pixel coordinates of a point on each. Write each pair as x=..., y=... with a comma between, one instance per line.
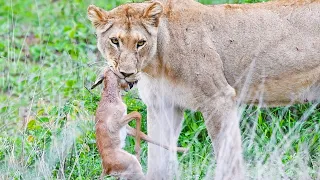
x=111, y=129
x=111, y=122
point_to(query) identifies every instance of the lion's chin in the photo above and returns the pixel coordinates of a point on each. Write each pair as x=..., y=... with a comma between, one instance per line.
x=126, y=86
x=132, y=80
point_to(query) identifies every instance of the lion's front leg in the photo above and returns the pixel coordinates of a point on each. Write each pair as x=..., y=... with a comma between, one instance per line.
x=164, y=120
x=164, y=126
x=222, y=123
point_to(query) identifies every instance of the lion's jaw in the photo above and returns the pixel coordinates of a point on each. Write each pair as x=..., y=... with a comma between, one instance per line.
x=127, y=36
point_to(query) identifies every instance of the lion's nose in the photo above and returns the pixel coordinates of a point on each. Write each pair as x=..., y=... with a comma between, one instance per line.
x=126, y=74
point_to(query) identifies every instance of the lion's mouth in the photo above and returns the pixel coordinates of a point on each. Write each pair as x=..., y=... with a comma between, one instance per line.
x=130, y=80
x=127, y=82
x=131, y=84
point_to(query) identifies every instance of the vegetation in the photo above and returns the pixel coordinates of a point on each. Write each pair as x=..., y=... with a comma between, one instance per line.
x=48, y=57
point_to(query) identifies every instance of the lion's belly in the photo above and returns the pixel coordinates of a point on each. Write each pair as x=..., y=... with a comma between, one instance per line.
x=286, y=89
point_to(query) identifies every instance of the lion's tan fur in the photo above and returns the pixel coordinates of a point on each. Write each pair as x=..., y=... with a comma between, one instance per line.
x=208, y=58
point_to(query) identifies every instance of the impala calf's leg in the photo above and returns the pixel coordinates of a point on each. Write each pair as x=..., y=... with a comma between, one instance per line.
x=126, y=119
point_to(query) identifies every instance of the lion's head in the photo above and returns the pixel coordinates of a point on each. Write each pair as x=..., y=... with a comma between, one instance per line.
x=127, y=36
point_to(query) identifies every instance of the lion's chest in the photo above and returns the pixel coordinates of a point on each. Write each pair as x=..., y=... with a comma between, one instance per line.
x=159, y=91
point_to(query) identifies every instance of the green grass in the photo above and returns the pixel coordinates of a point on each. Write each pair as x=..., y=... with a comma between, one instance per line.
x=47, y=58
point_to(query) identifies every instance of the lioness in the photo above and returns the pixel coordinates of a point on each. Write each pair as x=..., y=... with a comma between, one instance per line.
x=210, y=59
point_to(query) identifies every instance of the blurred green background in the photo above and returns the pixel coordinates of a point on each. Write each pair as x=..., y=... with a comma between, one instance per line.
x=48, y=57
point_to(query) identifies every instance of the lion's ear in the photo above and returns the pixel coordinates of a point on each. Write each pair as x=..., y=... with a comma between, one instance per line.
x=97, y=16
x=153, y=13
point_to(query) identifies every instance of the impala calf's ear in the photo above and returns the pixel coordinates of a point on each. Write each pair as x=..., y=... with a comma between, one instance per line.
x=97, y=16
x=153, y=13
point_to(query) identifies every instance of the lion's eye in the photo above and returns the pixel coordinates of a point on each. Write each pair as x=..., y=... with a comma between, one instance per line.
x=141, y=43
x=114, y=41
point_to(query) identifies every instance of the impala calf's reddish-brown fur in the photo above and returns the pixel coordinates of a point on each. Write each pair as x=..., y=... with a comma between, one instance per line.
x=111, y=128
x=111, y=121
